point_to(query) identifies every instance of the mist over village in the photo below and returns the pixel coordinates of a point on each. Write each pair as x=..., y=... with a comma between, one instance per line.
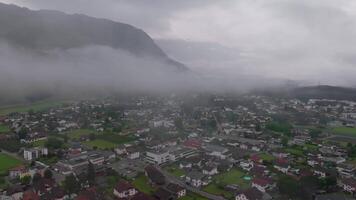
x=177, y=100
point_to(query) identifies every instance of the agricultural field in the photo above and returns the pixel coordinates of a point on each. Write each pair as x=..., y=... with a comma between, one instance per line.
x=76, y=134
x=4, y=129
x=344, y=131
x=101, y=144
x=8, y=162
x=40, y=106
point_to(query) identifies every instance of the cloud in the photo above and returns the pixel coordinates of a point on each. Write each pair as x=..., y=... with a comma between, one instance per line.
x=302, y=40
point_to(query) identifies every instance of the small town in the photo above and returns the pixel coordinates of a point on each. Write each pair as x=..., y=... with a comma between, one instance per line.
x=250, y=147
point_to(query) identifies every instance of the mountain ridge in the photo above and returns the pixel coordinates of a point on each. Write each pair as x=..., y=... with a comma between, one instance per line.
x=50, y=29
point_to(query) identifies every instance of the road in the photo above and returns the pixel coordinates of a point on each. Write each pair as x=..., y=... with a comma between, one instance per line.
x=177, y=181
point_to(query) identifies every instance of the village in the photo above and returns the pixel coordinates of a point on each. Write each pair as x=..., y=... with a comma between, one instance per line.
x=250, y=147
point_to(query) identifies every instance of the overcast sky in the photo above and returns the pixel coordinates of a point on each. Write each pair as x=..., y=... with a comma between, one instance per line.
x=312, y=40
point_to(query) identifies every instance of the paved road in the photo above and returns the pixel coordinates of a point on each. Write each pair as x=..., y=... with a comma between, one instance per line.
x=177, y=181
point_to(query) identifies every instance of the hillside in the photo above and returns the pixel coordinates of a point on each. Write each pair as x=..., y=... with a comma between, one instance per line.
x=45, y=30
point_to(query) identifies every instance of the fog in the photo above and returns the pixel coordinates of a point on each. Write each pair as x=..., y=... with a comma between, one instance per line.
x=307, y=41
x=227, y=45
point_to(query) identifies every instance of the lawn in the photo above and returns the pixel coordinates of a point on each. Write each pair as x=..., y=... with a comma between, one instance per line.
x=266, y=157
x=234, y=176
x=101, y=144
x=213, y=188
x=4, y=128
x=141, y=183
x=39, y=143
x=345, y=131
x=175, y=170
x=115, y=138
x=76, y=134
x=294, y=151
x=8, y=162
x=40, y=106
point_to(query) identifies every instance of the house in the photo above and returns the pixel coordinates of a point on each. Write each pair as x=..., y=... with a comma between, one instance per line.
x=348, y=185
x=15, y=191
x=192, y=143
x=185, y=164
x=262, y=184
x=177, y=190
x=34, y=153
x=255, y=158
x=217, y=151
x=157, y=157
x=282, y=165
x=154, y=175
x=196, y=179
x=252, y=194
x=142, y=196
x=121, y=150
x=259, y=170
x=132, y=153
x=30, y=195
x=18, y=172
x=124, y=189
x=163, y=194
x=246, y=165
x=210, y=170
x=346, y=170
x=90, y=194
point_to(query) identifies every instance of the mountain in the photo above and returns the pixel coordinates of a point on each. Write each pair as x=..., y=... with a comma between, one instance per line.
x=46, y=29
x=311, y=92
x=324, y=92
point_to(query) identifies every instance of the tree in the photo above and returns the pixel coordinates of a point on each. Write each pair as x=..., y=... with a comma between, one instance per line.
x=54, y=143
x=36, y=178
x=22, y=133
x=48, y=174
x=71, y=185
x=179, y=124
x=314, y=133
x=91, y=174
x=288, y=186
x=26, y=180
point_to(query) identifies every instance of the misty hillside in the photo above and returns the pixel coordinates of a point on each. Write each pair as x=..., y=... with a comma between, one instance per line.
x=45, y=30
x=325, y=92
x=311, y=92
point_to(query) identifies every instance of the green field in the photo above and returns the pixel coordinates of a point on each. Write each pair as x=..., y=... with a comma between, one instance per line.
x=266, y=157
x=40, y=106
x=4, y=128
x=217, y=190
x=295, y=151
x=39, y=143
x=345, y=131
x=175, y=170
x=141, y=183
x=101, y=144
x=7, y=162
x=76, y=134
x=234, y=176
